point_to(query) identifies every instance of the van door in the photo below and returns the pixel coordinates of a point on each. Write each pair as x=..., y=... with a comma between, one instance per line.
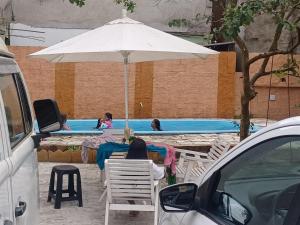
x=22, y=154
x=6, y=208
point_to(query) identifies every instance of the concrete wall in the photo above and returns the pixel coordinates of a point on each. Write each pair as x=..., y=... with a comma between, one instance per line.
x=259, y=35
x=95, y=13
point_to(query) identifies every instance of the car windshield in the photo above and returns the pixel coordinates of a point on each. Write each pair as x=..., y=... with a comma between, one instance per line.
x=280, y=162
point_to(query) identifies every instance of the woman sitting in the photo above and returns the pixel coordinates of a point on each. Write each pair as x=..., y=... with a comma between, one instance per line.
x=138, y=150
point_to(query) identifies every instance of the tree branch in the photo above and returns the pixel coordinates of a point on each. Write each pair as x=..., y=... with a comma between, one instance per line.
x=272, y=48
x=265, y=73
x=242, y=45
x=277, y=52
x=294, y=7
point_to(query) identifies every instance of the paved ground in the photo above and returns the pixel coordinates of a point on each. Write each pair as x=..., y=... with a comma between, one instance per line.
x=92, y=212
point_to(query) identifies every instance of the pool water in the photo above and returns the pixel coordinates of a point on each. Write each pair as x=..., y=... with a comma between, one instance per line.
x=169, y=126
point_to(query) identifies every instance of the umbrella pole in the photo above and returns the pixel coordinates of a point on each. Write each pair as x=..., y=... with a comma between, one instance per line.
x=125, y=55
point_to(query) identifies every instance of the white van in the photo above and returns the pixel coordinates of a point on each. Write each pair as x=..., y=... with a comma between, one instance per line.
x=255, y=183
x=19, y=192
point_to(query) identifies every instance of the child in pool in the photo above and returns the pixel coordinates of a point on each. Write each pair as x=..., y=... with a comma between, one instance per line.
x=105, y=123
x=155, y=124
x=64, y=120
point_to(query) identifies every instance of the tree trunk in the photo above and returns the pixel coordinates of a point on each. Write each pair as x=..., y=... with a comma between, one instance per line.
x=245, y=118
x=218, y=8
x=248, y=94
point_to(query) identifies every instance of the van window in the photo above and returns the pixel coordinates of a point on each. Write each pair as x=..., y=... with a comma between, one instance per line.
x=258, y=187
x=16, y=107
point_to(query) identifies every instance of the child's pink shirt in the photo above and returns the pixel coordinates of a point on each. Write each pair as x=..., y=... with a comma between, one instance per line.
x=106, y=124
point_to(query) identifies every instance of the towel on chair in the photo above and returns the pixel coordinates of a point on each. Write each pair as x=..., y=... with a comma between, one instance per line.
x=105, y=151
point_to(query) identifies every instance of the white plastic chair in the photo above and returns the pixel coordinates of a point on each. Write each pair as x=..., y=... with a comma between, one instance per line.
x=114, y=155
x=131, y=180
x=192, y=164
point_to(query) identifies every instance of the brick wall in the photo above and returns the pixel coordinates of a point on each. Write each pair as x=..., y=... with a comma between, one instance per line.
x=185, y=88
x=65, y=87
x=39, y=74
x=99, y=88
x=226, y=85
x=143, y=93
x=167, y=89
x=279, y=108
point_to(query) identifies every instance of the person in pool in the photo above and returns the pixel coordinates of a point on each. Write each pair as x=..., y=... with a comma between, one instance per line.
x=105, y=123
x=155, y=124
x=64, y=120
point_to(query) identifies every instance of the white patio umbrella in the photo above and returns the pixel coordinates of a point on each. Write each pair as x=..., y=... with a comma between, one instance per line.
x=123, y=40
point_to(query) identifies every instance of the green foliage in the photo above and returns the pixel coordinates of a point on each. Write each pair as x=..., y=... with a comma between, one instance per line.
x=291, y=67
x=238, y=16
x=208, y=37
x=73, y=148
x=179, y=23
x=128, y=4
x=79, y=3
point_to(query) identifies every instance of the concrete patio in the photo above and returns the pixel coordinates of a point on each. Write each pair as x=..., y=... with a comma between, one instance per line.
x=92, y=212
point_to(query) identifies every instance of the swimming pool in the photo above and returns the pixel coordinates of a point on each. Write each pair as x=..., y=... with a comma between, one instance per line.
x=169, y=126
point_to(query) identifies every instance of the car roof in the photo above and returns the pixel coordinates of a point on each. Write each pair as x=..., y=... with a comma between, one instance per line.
x=293, y=121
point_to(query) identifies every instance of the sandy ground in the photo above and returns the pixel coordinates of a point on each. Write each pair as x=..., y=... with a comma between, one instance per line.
x=92, y=212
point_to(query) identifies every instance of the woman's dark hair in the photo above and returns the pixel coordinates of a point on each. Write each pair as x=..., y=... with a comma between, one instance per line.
x=108, y=115
x=157, y=124
x=137, y=149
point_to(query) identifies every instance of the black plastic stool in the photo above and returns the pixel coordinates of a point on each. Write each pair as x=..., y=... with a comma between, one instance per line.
x=57, y=194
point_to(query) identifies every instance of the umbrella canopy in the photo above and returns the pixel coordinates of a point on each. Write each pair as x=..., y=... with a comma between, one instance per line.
x=123, y=40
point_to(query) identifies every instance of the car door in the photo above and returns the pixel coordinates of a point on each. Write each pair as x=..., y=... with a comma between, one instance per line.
x=6, y=208
x=261, y=185
x=22, y=155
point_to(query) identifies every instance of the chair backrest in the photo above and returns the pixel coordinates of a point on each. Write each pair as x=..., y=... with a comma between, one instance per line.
x=129, y=179
x=218, y=148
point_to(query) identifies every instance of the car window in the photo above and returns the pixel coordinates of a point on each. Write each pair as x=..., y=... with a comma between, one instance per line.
x=17, y=112
x=258, y=186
